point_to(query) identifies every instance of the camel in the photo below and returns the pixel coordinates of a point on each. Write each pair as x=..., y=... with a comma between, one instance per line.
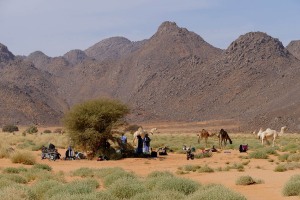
x=223, y=137
x=142, y=133
x=258, y=134
x=269, y=133
x=204, y=134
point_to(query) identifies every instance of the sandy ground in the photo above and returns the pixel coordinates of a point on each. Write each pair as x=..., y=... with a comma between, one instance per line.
x=270, y=189
x=272, y=186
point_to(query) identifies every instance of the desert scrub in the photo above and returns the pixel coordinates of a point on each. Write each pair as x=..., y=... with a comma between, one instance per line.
x=125, y=188
x=292, y=187
x=191, y=168
x=14, y=170
x=113, y=177
x=247, y=180
x=205, y=169
x=83, y=172
x=10, y=128
x=41, y=187
x=294, y=157
x=17, y=192
x=158, y=174
x=280, y=168
x=42, y=175
x=182, y=185
x=283, y=157
x=215, y=192
x=42, y=166
x=159, y=195
x=203, y=155
x=31, y=130
x=14, y=177
x=23, y=157
x=84, y=186
x=258, y=155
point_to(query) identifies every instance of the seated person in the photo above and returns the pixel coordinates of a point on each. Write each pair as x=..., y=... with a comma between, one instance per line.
x=69, y=153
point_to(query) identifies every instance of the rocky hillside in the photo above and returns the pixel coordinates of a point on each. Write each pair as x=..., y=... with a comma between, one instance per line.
x=294, y=48
x=174, y=75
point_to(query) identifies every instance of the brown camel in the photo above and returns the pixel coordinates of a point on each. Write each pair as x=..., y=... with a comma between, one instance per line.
x=204, y=134
x=223, y=138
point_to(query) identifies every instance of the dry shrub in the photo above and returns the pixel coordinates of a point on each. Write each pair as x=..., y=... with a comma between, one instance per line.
x=23, y=157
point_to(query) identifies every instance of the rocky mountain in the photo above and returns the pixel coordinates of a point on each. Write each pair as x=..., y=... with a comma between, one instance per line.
x=174, y=75
x=294, y=48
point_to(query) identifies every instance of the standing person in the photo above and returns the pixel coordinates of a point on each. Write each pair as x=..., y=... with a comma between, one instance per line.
x=123, y=142
x=139, y=149
x=146, y=143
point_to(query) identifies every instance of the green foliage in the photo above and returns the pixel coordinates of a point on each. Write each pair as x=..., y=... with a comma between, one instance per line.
x=47, y=131
x=13, y=170
x=280, y=168
x=42, y=166
x=182, y=185
x=216, y=192
x=10, y=128
x=132, y=128
x=283, y=157
x=159, y=195
x=205, y=169
x=292, y=187
x=23, y=157
x=78, y=187
x=31, y=130
x=89, y=124
x=258, y=155
x=17, y=192
x=122, y=190
x=156, y=174
x=245, y=180
x=83, y=172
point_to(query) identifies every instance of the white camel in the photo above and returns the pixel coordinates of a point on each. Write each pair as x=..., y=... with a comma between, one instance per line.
x=142, y=133
x=259, y=133
x=269, y=133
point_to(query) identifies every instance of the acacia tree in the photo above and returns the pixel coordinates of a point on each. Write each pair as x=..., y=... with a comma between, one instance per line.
x=90, y=124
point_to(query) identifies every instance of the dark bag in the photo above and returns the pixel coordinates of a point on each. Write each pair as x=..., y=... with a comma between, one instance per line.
x=153, y=154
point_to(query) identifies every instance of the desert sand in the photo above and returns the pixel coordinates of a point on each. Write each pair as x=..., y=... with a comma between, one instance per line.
x=270, y=189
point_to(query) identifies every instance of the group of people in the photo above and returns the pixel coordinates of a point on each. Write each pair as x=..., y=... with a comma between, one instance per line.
x=143, y=144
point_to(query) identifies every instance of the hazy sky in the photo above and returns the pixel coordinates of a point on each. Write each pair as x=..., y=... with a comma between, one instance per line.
x=58, y=26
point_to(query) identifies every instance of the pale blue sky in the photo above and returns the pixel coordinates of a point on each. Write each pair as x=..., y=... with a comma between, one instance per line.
x=58, y=26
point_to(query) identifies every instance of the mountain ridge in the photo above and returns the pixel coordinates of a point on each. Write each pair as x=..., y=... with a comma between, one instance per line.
x=174, y=75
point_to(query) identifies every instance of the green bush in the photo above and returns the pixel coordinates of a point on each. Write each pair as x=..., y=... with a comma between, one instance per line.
x=10, y=128
x=205, y=169
x=258, y=155
x=42, y=166
x=31, y=130
x=83, y=172
x=78, y=187
x=113, y=177
x=47, y=131
x=283, y=157
x=90, y=124
x=292, y=187
x=245, y=180
x=17, y=192
x=280, y=168
x=216, y=192
x=13, y=170
x=24, y=157
x=159, y=195
x=14, y=177
x=182, y=185
x=126, y=187
x=159, y=174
